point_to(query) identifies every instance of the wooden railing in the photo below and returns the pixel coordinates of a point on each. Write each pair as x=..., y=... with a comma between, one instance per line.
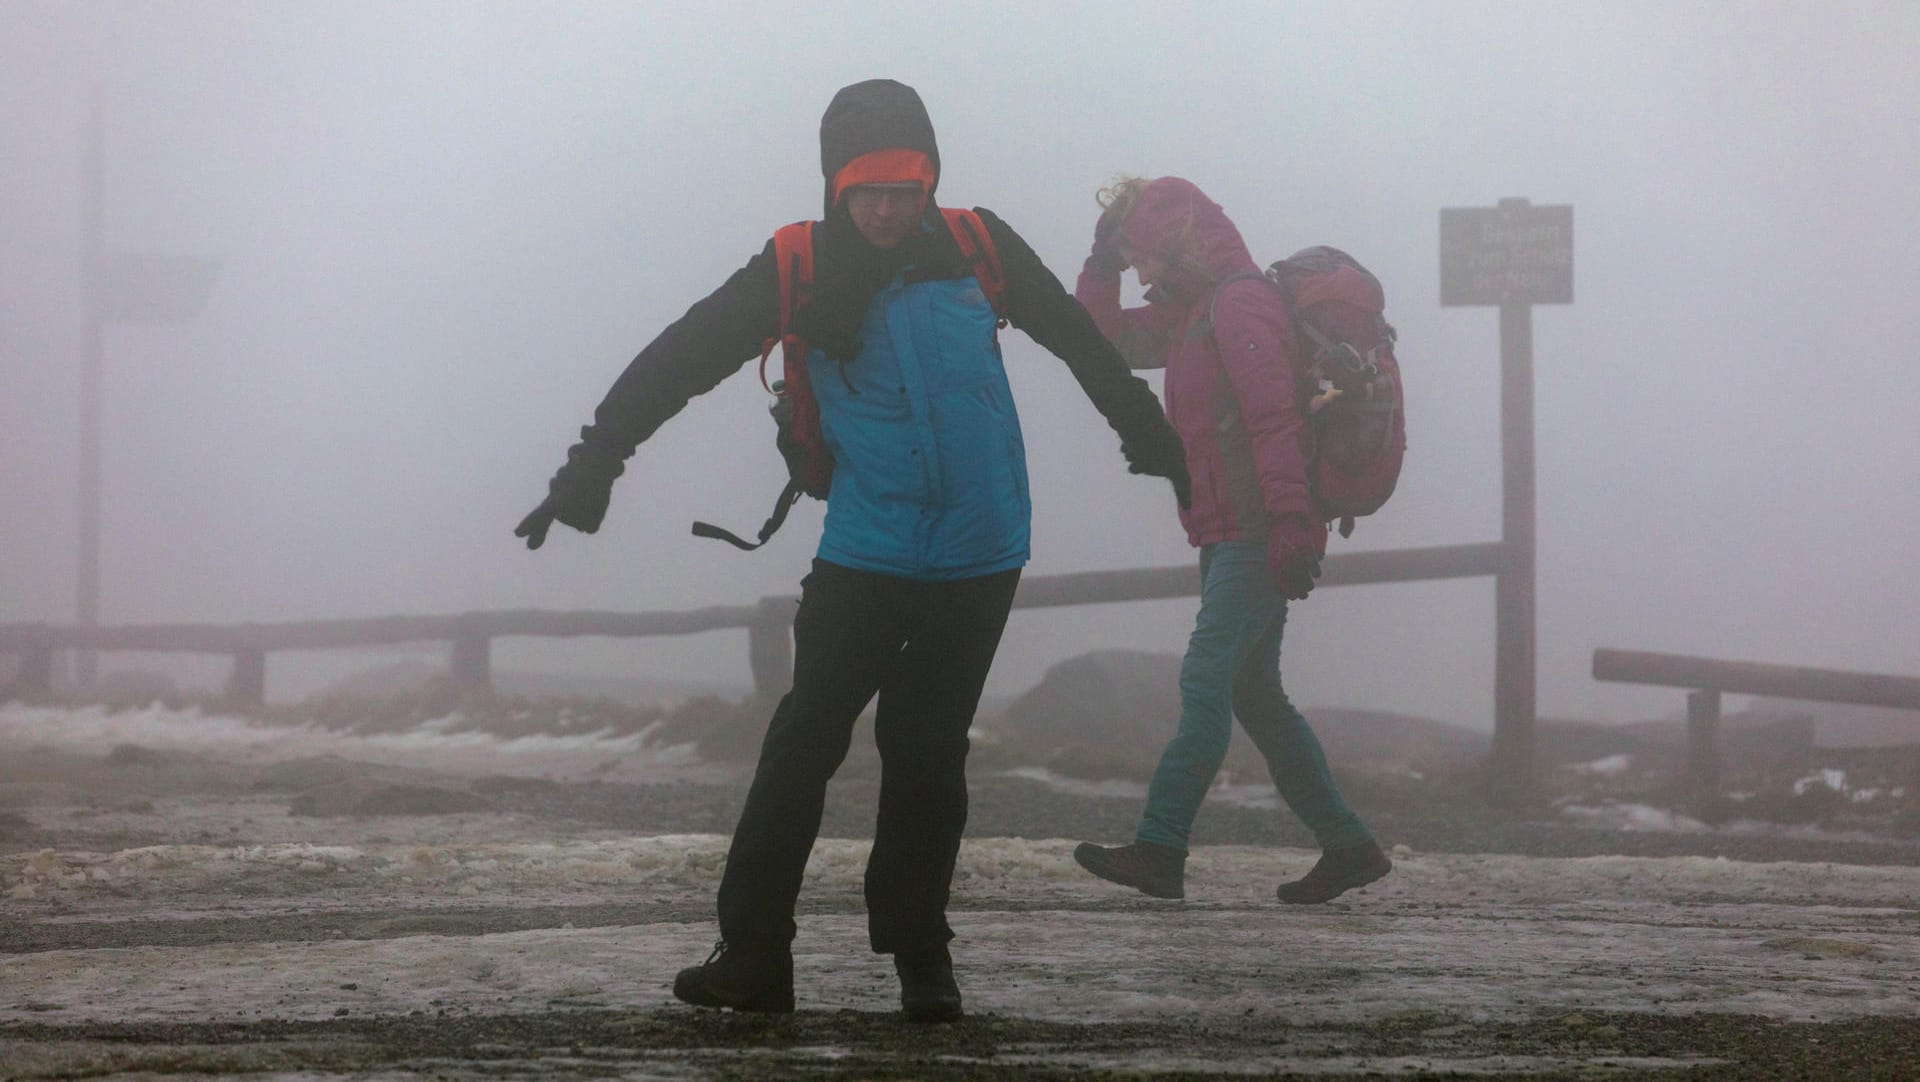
x=768, y=623
x=1707, y=679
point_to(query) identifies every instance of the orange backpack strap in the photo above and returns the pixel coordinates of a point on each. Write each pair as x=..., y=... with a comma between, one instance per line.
x=793, y=261
x=809, y=463
x=970, y=233
x=793, y=246
x=812, y=464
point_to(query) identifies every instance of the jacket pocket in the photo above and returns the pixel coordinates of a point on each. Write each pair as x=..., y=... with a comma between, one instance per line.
x=966, y=349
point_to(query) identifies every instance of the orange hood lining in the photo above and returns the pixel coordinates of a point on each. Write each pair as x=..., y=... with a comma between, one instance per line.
x=896, y=165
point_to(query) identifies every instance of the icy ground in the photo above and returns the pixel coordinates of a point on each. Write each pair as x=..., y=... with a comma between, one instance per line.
x=326, y=924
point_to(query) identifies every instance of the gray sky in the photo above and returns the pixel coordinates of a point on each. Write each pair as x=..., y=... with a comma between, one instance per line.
x=445, y=228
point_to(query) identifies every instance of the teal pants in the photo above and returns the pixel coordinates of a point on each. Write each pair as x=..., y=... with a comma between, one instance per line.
x=1232, y=668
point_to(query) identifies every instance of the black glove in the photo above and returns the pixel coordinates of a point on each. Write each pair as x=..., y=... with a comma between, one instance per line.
x=1295, y=546
x=1105, y=256
x=577, y=495
x=1295, y=580
x=535, y=526
x=1158, y=453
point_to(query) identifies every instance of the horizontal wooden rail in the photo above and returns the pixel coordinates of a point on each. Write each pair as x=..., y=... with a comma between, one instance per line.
x=1707, y=679
x=1183, y=580
x=1754, y=678
x=375, y=631
x=768, y=623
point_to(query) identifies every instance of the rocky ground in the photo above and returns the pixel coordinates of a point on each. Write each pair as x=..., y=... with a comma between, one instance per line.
x=228, y=898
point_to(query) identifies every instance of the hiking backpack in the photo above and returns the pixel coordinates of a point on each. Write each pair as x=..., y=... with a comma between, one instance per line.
x=1347, y=380
x=796, y=412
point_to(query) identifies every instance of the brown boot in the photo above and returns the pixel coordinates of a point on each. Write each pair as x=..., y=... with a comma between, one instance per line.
x=1336, y=872
x=1157, y=870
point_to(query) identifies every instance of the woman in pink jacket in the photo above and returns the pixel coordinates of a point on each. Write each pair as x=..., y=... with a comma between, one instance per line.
x=1223, y=335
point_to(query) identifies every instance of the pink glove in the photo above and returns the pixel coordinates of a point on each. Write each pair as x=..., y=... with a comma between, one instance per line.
x=1295, y=546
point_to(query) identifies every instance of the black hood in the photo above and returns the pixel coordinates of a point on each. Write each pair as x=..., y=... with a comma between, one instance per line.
x=878, y=114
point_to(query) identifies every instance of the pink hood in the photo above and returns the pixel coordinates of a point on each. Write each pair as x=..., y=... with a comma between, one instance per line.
x=1230, y=380
x=1175, y=221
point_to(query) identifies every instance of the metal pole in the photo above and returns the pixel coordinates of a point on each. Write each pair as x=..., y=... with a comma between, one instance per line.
x=87, y=606
x=1513, y=674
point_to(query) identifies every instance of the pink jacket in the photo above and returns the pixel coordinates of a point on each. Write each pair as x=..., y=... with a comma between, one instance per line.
x=1232, y=405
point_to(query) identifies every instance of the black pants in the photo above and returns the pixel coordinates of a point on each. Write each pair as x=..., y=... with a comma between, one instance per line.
x=924, y=648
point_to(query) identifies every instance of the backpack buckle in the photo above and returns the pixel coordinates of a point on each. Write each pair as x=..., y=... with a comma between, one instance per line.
x=1350, y=358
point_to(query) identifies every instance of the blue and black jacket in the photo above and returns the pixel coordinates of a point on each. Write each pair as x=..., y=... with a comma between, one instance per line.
x=930, y=470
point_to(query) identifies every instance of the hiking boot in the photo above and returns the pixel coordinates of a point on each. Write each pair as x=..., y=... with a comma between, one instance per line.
x=1158, y=870
x=928, y=992
x=758, y=979
x=1336, y=872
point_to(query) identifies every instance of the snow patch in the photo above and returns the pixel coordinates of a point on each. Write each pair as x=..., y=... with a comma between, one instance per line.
x=1631, y=817
x=1829, y=777
x=1606, y=767
x=1060, y=783
x=434, y=743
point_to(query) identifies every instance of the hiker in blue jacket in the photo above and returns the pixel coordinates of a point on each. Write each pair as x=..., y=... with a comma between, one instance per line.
x=926, y=528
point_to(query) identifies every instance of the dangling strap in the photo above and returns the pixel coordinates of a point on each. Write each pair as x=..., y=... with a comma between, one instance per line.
x=788, y=497
x=793, y=263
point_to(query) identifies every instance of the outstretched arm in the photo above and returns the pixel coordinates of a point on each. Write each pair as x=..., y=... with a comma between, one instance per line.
x=1038, y=304
x=710, y=342
x=689, y=358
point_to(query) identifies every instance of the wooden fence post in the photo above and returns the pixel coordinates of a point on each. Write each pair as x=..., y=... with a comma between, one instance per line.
x=470, y=664
x=770, y=647
x=1514, y=256
x=1703, y=748
x=36, y=671
x=248, y=684
x=1513, y=663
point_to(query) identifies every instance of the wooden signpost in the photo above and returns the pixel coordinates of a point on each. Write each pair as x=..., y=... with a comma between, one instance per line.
x=1514, y=255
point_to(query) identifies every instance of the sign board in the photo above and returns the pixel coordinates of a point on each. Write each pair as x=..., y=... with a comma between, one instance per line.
x=1514, y=253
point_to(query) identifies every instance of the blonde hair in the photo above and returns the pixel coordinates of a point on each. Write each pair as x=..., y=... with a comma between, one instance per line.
x=1119, y=198
x=1121, y=195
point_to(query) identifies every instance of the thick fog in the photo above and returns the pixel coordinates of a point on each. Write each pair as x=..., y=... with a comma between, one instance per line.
x=444, y=228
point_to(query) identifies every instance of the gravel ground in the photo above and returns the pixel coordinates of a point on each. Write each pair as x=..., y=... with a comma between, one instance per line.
x=847, y=1045
x=1007, y=806
x=134, y=800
